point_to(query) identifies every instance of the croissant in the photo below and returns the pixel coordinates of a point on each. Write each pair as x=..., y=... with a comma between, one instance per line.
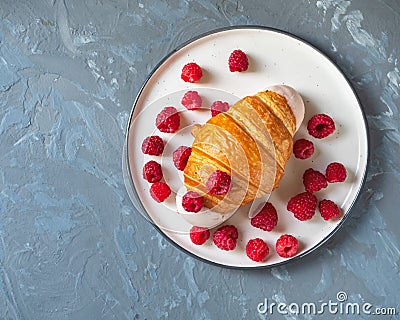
x=251, y=142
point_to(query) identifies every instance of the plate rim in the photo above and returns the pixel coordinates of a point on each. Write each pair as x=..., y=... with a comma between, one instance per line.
x=128, y=180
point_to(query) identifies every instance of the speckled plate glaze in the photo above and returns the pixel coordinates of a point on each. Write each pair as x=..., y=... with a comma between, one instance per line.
x=275, y=58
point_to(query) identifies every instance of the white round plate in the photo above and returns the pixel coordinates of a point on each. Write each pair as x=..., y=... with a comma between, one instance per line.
x=275, y=57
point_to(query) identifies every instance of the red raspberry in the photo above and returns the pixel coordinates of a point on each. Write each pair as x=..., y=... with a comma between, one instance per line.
x=238, y=61
x=266, y=219
x=287, y=246
x=320, y=126
x=192, y=202
x=191, y=72
x=225, y=237
x=328, y=209
x=199, y=235
x=303, y=149
x=335, y=172
x=181, y=156
x=191, y=100
x=257, y=249
x=168, y=120
x=303, y=205
x=160, y=191
x=152, y=171
x=153, y=146
x=218, y=183
x=218, y=107
x=314, y=180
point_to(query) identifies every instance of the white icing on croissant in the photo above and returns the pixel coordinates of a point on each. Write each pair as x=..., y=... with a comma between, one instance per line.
x=294, y=100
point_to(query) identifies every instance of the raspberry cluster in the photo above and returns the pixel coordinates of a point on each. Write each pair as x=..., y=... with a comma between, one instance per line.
x=303, y=205
x=237, y=62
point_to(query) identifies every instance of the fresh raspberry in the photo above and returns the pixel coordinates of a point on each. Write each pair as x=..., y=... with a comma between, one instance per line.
x=303, y=149
x=191, y=100
x=218, y=183
x=152, y=171
x=238, y=61
x=191, y=72
x=181, y=156
x=199, y=235
x=218, y=107
x=335, y=172
x=266, y=219
x=153, y=146
x=225, y=237
x=257, y=250
x=192, y=202
x=303, y=205
x=168, y=120
x=320, y=126
x=160, y=191
x=287, y=246
x=328, y=209
x=314, y=180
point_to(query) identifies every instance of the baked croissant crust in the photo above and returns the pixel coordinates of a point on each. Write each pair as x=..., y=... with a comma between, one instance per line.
x=252, y=142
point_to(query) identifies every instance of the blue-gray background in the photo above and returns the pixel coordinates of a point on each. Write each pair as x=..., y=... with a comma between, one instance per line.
x=72, y=245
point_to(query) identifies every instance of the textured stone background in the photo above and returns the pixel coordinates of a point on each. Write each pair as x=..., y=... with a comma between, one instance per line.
x=71, y=244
